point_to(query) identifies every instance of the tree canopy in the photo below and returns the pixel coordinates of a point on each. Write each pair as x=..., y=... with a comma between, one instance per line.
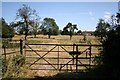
x=7, y=30
x=49, y=27
x=25, y=19
x=109, y=56
x=102, y=29
x=69, y=29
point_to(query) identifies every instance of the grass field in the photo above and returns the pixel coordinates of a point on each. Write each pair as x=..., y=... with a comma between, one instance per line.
x=60, y=39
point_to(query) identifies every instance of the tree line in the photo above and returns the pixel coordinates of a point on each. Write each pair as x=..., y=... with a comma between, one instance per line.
x=28, y=22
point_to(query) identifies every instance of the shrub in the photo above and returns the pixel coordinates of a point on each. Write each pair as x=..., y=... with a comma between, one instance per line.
x=19, y=60
x=7, y=30
x=13, y=67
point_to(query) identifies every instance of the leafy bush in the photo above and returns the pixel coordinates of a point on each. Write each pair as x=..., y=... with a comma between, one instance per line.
x=19, y=60
x=111, y=53
x=7, y=30
x=13, y=67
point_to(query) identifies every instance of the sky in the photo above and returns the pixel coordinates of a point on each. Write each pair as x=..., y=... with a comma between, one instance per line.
x=84, y=14
x=59, y=0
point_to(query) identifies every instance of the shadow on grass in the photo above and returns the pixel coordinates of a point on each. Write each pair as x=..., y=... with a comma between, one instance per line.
x=97, y=73
x=90, y=75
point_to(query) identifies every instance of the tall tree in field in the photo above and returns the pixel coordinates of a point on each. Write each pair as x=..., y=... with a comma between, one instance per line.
x=26, y=15
x=35, y=27
x=49, y=27
x=70, y=28
x=102, y=29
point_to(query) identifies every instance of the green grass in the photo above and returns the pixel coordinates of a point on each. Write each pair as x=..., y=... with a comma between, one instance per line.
x=34, y=41
x=39, y=41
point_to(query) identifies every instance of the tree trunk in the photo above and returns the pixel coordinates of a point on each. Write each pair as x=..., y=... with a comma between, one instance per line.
x=71, y=34
x=70, y=37
x=49, y=36
x=25, y=37
x=34, y=35
x=26, y=29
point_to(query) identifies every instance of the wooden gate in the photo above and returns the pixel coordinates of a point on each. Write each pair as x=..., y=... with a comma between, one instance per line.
x=61, y=57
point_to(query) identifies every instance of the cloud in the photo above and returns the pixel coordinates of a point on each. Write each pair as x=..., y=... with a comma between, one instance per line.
x=90, y=13
x=107, y=13
x=107, y=16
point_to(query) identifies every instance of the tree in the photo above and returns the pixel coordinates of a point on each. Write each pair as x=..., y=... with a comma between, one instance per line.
x=65, y=31
x=49, y=27
x=69, y=29
x=111, y=47
x=26, y=16
x=35, y=27
x=102, y=29
x=50, y=32
x=79, y=32
x=19, y=27
x=7, y=30
x=109, y=58
x=0, y=28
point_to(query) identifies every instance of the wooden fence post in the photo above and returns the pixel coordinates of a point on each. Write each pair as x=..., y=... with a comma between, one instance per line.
x=4, y=52
x=21, y=46
x=90, y=56
x=58, y=58
x=5, y=58
x=73, y=51
x=77, y=58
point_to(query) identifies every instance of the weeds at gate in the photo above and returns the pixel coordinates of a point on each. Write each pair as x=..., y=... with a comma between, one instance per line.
x=13, y=67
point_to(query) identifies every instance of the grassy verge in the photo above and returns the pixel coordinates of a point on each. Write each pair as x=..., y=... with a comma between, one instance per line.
x=13, y=67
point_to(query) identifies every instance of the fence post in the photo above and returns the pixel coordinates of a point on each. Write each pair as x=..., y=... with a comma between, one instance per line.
x=5, y=58
x=4, y=52
x=90, y=56
x=58, y=58
x=77, y=58
x=21, y=46
x=73, y=51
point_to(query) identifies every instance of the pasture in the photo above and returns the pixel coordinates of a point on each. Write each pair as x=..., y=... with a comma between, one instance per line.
x=60, y=39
